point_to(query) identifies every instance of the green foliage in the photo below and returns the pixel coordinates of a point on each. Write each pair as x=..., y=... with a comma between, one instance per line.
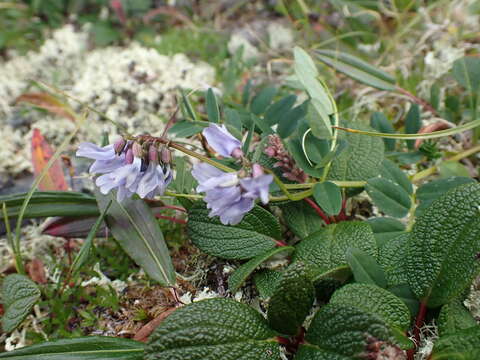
x=454, y=317
x=413, y=123
x=301, y=218
x=19, y=294
x=291, y=301
x=266, y=281
x=254, y=235
x=390, y=197
x=385, y=228
x=213, y=329
x=462, y=345
x=379, y=122
x=365, y=268
x=328, y=196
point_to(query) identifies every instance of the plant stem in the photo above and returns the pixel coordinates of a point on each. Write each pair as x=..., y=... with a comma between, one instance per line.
x=418, y=101
x=11, y=243
x=172, y=219
x=416, y=330
x=200, y=157
x=317, y=209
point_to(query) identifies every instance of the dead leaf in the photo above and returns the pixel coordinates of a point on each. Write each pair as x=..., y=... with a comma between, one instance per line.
x=36, y=271
x=48, y=102
x=436, y=126
x=41, y=154
x=143, y=334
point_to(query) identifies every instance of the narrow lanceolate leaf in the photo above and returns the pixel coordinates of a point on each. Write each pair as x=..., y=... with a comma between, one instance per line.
x=380, y=122
x=361, y=160
x=390, y=170
x=41, y=153
x=261, y=101
x=463, y=345
x=374, y=300
x=357, y=69
x=324, y=252
x=307, y=73
x=51, y=203
x=344, y=333
x=365, y=268
x=19, y=294
x=301, y=218
x=454, y=317
x=254, y=235
x=134, y=226
x=241, y=274
x=215, y=329
x=84, y=348
x=442, y=248
x=328, y=196
x=84, y=252
x=292, y=300
x=413, y=123
x=49, y=103
x=390, y=197
x=213, y=112
x=385, y=229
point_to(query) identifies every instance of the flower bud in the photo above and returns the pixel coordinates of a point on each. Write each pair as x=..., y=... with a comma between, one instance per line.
x=270, y=151
x=257, y=170
x=119, y=145
x=137, y=150
x=237, y=153
x=166, y=155
x=153, y=153
x=129, y=156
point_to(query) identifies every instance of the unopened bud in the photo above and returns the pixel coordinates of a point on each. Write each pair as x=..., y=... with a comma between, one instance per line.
x=119, y=145
x=166, y=155
x=257, y=170
x=237, y=153
x=129, y=156
x=137, y=150
x=270, y=151
x=153, y=154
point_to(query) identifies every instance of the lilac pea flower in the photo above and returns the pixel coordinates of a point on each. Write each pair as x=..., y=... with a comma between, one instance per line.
x=258, y=185
x=96, y=152
x=210, y=177
x=224, y=143
x=126, y=179
x=154, y=181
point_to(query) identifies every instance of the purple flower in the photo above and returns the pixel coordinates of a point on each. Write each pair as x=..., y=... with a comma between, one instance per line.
x=154, y=181
x=224, y=143
x=226, y=194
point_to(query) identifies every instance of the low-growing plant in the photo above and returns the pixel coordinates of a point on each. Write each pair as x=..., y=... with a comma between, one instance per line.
x=349, y=288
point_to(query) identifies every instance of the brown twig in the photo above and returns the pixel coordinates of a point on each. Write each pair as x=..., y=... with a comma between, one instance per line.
x=418, y=101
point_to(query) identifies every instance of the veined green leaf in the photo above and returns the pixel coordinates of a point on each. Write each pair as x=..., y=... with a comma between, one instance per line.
x=357, y=69
x=365, y=268
x=328, y=196
x=84, y=348
x=135, y=228
x=213, y=112
x=390, y=197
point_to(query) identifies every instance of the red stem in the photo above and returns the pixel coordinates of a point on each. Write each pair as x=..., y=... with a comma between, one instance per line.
x=342, y=216
x=317, y=209
x=171, y=207
x=172, y=219
x=280, y=243
x=416, y=330
x=418, y=101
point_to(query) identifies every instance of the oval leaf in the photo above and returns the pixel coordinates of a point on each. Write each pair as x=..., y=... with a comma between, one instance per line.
x=214, y=329
x=441, y=259
x=328, y=196
x=365, y=268
x=254, y=235
x=19, y=294
x=390, y=197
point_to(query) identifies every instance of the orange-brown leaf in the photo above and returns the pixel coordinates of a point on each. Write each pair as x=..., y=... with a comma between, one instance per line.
x=48, y=102
x=41, y=154
x=36, y=271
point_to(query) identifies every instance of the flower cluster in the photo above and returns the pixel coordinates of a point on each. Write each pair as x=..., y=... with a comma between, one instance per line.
x=285, y=162
x=130, y=167
x=229, y=195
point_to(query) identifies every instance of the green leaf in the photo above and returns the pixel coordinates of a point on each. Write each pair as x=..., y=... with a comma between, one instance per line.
x=320, y=129
x=413, y=123
x=385, y=229
x=213, y=112
x=328, y=196
x=365, y=268
x=390, y=197
x=379, y=122
x=51, y=203
x=232, y=118
x=254, y=235
x=277, y=110
x=372, y=299
x=214, y=329
x=184, y=180
x=454, y=317
x=340, y=332
x=404, y=293
x=266, y=281
x=262, y=100
x=135, y=228
x=84, y=252
x=357, y=69
x=448, y=169
x=290, y=120
x=301, y=219
x=187, y=108
x=241, y=274
x=390, y=170
x=441, y=259
x=307, y=73
x=19, y=294
x=466, y=71
x=361, y=160
x=432, y=190
x=392, y=257
x=324, y=252
x=186, y=128
x=294, y=147
x=292, y=300
x=84, y=348
x=463, y=345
